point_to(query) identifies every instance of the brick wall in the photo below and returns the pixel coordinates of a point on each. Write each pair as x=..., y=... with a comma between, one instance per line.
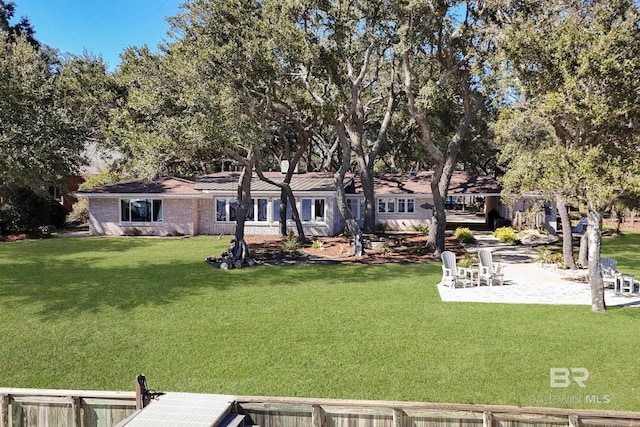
x=178, y=215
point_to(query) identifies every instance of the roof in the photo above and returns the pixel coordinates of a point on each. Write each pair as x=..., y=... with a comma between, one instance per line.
x=228, y=181
x=166, y=185
x=420, y=183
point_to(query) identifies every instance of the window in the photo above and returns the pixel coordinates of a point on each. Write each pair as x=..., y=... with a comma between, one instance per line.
x=386, y=205
x=258, y=210
x=262, y=210
x=221, y=210
x=356, y=206
x=140, y=210
x=400, y=205
x=312, y=210
x=276, y=210
x=406, y=205
x=227, y=210
x=319, y=210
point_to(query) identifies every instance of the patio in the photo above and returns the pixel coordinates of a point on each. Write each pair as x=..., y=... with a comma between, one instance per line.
x=528, y=282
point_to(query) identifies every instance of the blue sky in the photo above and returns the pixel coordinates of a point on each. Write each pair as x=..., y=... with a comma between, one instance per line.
x=101, y=27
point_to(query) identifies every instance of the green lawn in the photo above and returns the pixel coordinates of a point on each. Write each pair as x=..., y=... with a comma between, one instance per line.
x=92, y=313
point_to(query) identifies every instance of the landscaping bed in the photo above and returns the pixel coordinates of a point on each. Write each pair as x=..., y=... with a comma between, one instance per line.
x=401, y=248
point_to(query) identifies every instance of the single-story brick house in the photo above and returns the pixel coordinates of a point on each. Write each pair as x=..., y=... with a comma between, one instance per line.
x=208, y=204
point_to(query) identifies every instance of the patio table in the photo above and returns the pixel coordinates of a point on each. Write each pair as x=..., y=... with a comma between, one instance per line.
x=472, y=274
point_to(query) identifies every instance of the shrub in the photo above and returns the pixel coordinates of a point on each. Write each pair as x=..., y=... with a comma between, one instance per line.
x=291, y=243
x=80, y=213
x=464, y=235
x=421, y=228
x=317, y=244
x=24, y=210
x=507, y=234
x=545, y=256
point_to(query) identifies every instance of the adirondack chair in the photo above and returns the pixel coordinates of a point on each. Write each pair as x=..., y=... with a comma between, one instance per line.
x=489, y=272
x=452, y=275
x=609, y=269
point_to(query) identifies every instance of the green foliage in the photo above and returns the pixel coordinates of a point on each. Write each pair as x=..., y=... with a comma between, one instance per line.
x=318, y=244
x=49, y=109
x=421, y=228
x=507, y=234
x=104, y=177
x=546, y=256
x=386, y=250
x=26, y=211
x=464, y=235
x=466, y=261
x=570, y=133
x=291, y=244
x=79, y=212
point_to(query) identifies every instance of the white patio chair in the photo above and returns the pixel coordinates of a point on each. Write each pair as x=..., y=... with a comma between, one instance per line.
x=452, y=275
x=489, y=272
x=609, y=269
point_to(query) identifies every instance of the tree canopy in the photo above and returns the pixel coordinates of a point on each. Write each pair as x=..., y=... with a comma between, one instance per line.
x=572, y=130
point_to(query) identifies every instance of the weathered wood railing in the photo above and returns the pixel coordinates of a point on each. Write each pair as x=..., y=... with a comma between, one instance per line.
x=64, y=408
x=73, y=408
x=283, y=412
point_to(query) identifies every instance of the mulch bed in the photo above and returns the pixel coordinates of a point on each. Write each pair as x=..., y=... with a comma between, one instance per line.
x=22, y=236
x=388, y=249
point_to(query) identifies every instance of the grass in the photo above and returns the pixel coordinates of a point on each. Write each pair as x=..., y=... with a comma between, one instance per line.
x=92, y=313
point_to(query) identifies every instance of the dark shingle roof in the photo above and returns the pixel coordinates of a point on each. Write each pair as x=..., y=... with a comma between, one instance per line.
x=165, y=185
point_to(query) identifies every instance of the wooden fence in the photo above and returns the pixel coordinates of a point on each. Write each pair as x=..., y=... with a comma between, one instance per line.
x=72, y=408
x=64, y=408
x=284, y=412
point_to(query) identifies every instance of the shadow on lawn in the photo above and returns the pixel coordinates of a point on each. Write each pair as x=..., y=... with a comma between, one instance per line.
x=59, y=285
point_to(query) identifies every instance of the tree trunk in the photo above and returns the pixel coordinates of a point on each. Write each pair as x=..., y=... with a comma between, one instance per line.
x=341, y=197
x=437, y=229
x=594, y=231
x=583, y=255
x=239, y=250
x=567, y=241
x=294, y=213
x=366, y=178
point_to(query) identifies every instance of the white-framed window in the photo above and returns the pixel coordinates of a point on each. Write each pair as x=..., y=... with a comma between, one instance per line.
x=141, y=210
x=357, y=207
x=276, y=210
x=258, y=210
x=406, y=205
x=386, y=206
x=399, y=205
x=312, y=210
x=227, y=210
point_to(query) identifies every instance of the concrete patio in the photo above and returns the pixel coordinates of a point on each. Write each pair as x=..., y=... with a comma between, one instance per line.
x=528, y=282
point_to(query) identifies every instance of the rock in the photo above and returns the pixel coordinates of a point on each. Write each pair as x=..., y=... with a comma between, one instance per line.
x=534, y=237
